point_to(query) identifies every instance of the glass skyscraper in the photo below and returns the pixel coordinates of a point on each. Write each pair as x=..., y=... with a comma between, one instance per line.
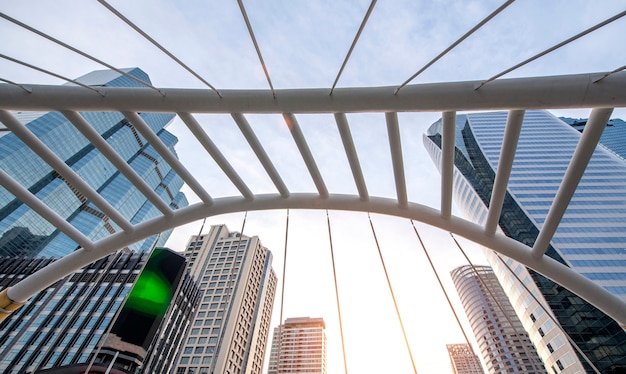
x=612, y=137
x=24, y=233
x=591, y=238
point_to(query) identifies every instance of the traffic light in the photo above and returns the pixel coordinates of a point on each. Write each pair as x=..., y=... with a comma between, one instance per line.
x=150, y=298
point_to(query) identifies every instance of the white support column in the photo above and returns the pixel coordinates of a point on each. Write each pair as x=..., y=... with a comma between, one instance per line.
x=168, y=156
x=353, y=157
x=584, y=150
x=43, y=210
x=307, y=156
x=447, y=161
x=219, y=158
x=260, y=153
x=64, y=171
x=92, y=135
x=393, y=131
x=505, y=163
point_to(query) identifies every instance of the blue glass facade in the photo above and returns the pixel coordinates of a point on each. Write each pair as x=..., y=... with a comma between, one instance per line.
x=64, y=324
x=592, y=235
x=612, y=137
x=25, y=233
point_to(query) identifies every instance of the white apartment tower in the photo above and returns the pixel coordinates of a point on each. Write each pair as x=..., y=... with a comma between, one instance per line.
x=299, y=346
x=502, y=340
x=463, y=360
x=230, y=330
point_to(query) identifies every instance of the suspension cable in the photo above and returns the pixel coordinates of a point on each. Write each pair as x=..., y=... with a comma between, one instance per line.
x=256, y=45
x=453, y=45
x=282, y=295
x=356, y=38
x=78, y=51
x=16, y=84
x=332, y=257
x=50, y=73
x=577, y=36
x=458, y=321
x=609, y=73
x=156, y=44
x=498, y=304
x=382, y=261
x=549, y=313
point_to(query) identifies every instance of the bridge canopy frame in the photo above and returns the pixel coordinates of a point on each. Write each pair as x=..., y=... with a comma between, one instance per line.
x=514, y=95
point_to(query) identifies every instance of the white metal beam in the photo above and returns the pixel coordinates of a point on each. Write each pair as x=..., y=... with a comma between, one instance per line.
x=219, y=158
x=573, y=91
x=168, y=156
x=24, y=195
x=260, y=153
x=92, y=135
x=585, y=288
x=447, y=161
x=505, y=164
x=395, y=145
x=569, y=91
x=351, y=154
x=59, y=165
x=307, y=156
x=584, y=150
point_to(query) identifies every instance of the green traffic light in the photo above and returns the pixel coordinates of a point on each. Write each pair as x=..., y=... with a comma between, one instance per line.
x=151, y=294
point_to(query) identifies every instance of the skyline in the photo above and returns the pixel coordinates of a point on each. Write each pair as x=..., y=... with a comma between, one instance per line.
x=303, y=46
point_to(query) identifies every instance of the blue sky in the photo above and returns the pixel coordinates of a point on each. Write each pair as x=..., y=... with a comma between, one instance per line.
x=303, y=44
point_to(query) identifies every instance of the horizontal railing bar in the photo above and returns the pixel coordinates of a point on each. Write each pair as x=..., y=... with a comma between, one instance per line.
x=568, y=91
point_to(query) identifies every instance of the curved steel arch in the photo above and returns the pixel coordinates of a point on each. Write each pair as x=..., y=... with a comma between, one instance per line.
x=578, y=91
x=500, y=243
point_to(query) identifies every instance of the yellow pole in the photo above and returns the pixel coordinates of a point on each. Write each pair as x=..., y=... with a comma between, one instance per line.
x=7, y=306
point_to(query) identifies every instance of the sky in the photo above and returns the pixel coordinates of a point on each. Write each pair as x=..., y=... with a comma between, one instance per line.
x=303, y=44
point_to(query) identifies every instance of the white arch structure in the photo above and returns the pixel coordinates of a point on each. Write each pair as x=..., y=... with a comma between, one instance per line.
x=597, y=91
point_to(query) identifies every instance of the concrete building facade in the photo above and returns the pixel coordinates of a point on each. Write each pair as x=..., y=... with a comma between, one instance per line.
x=463, y=360
x=299, y=346
x=230, y=330
x=502, y=339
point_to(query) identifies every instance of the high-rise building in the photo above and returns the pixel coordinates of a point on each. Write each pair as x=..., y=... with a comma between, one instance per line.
x=612, y=137
x=591, y=238
x=299, y=346
x=63, y=325
x=161, y=356
x=463, y=360
x=230, y=329
x=24, y=233
x=503, y=341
